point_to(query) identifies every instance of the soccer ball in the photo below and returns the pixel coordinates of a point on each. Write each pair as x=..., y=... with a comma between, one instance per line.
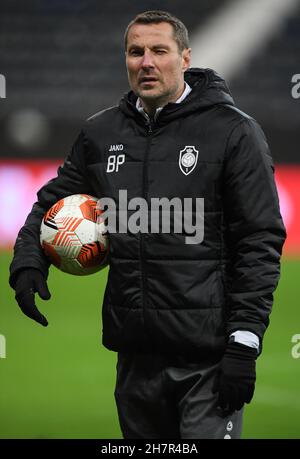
x=72, y=235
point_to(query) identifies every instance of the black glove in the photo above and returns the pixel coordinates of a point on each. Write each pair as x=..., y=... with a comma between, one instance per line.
x=235, y=381
x=29, y=281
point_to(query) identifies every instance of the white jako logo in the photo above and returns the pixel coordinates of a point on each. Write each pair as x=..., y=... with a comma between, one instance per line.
x=188, y=159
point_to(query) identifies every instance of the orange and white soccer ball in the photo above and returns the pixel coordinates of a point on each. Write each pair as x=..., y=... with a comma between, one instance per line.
x=72, y=235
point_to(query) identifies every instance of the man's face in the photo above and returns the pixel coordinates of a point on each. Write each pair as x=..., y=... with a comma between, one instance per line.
x=154, y=63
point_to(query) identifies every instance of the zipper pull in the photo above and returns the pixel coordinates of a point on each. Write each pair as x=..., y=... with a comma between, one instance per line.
x=150, y=125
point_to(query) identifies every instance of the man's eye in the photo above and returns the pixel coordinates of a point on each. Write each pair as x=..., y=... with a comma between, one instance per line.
x=135, y=52
x=160, y=51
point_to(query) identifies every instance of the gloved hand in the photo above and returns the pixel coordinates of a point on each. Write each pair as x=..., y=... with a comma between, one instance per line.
x=28, y=282
x=235, y=381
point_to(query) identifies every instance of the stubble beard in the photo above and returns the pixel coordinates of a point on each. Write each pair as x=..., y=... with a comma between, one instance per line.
x=157, y=99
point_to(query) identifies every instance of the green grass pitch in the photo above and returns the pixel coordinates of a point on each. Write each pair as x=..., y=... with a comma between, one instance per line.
x=58, y=382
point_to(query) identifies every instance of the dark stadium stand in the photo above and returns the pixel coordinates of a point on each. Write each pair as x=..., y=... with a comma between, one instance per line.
x=263, y=89
x=65, y=59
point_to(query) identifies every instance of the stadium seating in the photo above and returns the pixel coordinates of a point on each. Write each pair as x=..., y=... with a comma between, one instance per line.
x=65, y=59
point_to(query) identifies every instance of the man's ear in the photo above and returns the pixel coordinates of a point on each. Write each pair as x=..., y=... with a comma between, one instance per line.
x=186, y=59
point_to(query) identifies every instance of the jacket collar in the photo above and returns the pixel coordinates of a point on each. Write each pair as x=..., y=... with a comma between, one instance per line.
x=207, y=90
x=140, y=108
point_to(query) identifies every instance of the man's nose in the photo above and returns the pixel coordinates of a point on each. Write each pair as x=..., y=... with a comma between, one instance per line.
x=147, y=61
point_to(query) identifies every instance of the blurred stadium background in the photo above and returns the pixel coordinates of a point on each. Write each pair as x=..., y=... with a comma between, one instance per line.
x=63, y=61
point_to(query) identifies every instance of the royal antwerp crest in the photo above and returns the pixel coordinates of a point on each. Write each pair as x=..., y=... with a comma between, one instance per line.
x=188, y=158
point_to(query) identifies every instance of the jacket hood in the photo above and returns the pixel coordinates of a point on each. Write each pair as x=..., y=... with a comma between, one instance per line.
x=208, y=89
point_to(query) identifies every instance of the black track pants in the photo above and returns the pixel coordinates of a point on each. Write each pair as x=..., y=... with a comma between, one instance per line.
x=163, y=397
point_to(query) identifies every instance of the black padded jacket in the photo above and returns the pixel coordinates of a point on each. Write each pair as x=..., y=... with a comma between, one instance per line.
x=162, y=294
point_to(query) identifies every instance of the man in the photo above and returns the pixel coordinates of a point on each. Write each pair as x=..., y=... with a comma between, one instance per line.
x=187, y=319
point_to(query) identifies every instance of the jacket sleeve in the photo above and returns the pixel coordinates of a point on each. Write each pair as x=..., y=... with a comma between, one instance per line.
x=71, y=179
x=255, y=232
